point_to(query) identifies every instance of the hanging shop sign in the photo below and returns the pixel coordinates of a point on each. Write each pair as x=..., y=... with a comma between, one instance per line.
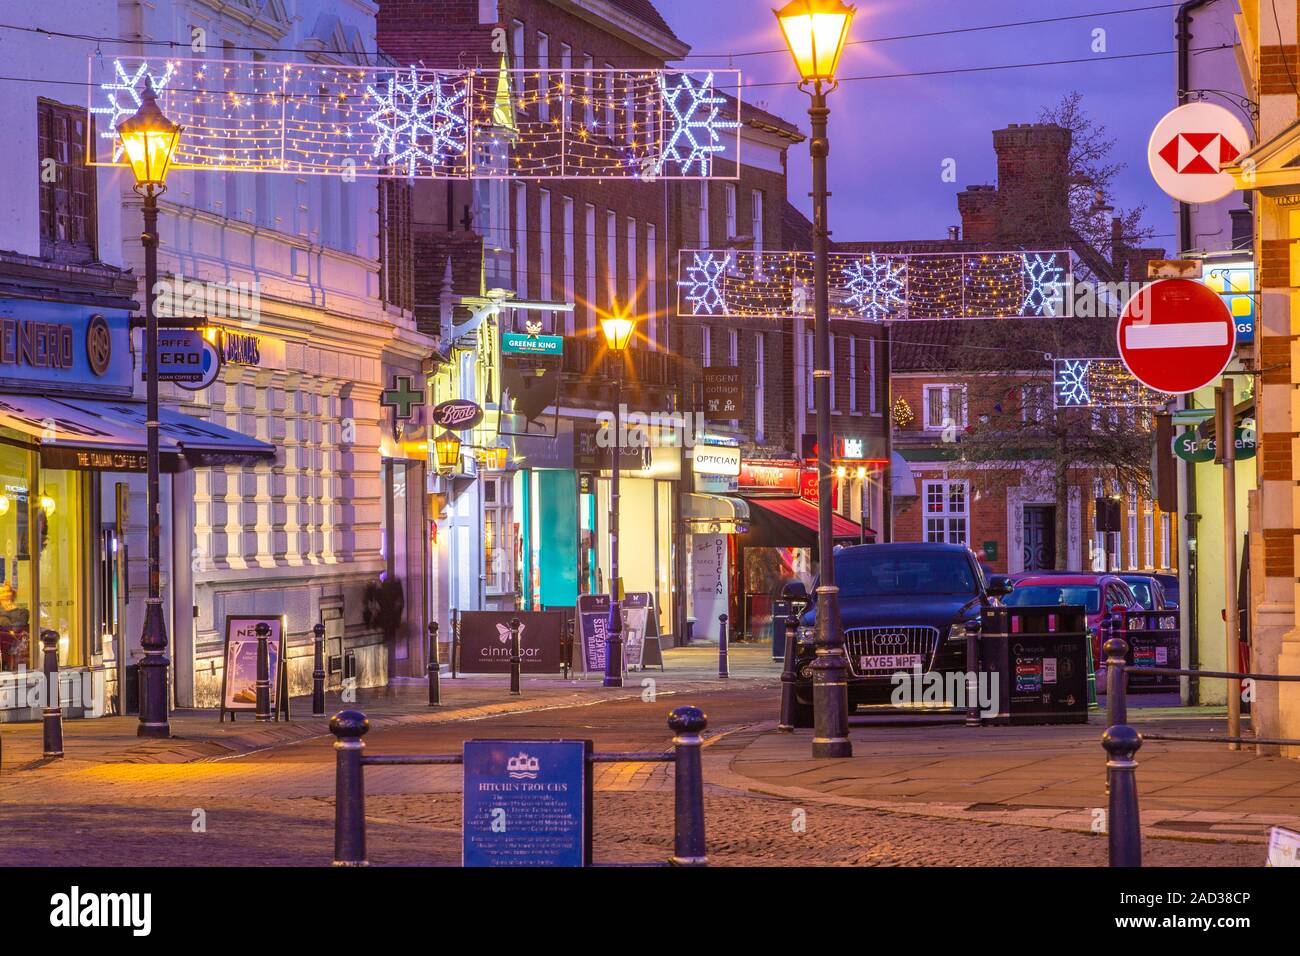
x=716, y=460
x=723, y=393
x=402, y=397
x=180, y=356
x=238, y=347
x=527, y=803
x=457, y=414
x=521, y=343
x=1194, y=447
x=1188, y=147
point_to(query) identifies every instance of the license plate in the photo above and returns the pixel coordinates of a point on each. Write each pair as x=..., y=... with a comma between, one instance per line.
x=892, y=662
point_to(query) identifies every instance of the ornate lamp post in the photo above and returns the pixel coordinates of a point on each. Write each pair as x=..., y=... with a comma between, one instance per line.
x=815, y=31
x=149, y=140
x=618, y=331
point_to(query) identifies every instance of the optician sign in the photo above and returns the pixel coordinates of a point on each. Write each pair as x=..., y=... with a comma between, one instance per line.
x=715, y=460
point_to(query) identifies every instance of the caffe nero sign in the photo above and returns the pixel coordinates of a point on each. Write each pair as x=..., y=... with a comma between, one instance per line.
x=457, y=414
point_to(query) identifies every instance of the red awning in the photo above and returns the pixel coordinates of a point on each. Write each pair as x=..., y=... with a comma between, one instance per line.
x=804, y=513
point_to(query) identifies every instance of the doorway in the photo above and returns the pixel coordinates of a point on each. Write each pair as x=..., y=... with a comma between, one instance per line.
x=1040, y=537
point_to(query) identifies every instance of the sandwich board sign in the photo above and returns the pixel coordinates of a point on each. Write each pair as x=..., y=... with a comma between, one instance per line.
x=641, y=646
x=527, y=803
x=593, y=625
x=239, y=677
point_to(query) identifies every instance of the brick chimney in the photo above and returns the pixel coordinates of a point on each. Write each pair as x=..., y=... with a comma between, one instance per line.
x=1033, y=184
x=978, y=206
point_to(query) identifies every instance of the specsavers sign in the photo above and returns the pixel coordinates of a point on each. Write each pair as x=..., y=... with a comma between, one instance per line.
x=1193, y=447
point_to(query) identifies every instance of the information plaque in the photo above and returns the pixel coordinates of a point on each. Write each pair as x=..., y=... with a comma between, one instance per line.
x=527, y=803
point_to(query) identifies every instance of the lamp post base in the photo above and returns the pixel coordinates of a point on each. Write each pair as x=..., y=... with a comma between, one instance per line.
x=153, y=675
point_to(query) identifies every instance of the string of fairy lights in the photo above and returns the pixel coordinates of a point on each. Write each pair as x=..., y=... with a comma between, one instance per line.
x=873, y=286
x=1100, y=383
x=327, y=119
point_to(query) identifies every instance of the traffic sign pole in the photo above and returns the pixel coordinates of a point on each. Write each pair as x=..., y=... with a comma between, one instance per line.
x=1226, y=420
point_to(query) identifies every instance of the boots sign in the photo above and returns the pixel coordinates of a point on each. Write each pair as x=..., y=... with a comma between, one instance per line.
x=457, y=414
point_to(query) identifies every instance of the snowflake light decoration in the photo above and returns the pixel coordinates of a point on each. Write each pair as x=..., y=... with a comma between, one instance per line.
x=417, y=122
x=875, y=286
x=693, y=123
x=703, y=284
x=1044, y=282
x=1071, y=383
x=125, y=96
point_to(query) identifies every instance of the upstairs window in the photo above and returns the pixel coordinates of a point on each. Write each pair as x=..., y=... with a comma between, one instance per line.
x=67, y=186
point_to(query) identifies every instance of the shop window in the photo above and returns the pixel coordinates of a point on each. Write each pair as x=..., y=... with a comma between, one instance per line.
x=1166, y=536
x=1148, y=541
x=947, y=514
x=497, y=535
x=16, y=642
x=67, y=203
x=65, y=561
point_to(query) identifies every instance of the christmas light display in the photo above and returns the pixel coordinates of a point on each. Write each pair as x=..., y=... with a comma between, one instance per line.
x=873, y=286
x=1100, y=383
x=344, y=120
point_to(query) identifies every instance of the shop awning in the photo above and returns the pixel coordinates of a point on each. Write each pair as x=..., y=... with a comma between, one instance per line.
x=792, y=522
x=902, y=483
x=98, y=435
x=715, y=514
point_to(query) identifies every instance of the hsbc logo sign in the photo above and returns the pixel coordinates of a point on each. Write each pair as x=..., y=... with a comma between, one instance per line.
x=1188, y=148
x=1191, y=154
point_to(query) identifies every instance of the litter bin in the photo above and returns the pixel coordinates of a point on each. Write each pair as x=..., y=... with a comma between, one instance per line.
x=780, y=615
x=1040, y=656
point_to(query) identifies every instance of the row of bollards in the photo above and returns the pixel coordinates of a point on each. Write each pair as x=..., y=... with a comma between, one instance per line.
x=687, y=724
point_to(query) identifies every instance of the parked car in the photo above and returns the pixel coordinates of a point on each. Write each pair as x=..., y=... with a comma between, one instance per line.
x=1170, y=584
x=1099, y=594
x=902, y=606
x=1148, y=590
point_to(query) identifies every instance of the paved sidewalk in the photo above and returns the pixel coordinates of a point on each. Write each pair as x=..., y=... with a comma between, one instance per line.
x=198, y=736
x=1051, y=776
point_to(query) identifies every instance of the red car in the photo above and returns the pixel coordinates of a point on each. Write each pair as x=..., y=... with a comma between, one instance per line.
x=1100, y=594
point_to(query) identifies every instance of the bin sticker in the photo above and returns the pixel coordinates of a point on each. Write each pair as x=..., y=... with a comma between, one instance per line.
x=1049, y=670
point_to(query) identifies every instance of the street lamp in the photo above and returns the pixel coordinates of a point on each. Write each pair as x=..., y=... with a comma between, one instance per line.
x=447, y=449
x=816, y=31
x=149, y=140
x=618, y=331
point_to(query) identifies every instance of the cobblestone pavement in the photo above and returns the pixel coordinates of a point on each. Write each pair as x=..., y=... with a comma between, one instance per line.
x=275, y=807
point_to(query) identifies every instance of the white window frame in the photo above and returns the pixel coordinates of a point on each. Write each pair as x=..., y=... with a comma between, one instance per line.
x=543, y=76
x=589, y=69
x=731, y=211
x=521, y=240
x=633, y=265
x=949, y=522
x=873, y=395
x=611, y=114
x=1166, y=540
x=853, y=373
x=651, y=282
x=1148, y=540
x=517, y=40
x=499, y=575
x=756, y=218
x=760, y=387
x=704, y=214
x=706, y=346
x=952, y=413
x=589, y=240
x=611, y=255
x=547, y=291
x=566, y=78
x=810, y=394
x=733, y=347
x=568, y=265
x=835, y=410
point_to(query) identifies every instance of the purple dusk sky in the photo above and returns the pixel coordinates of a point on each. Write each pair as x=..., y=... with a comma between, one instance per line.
x=889, y=137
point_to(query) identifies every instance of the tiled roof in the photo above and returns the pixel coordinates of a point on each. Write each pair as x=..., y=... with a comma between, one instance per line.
x=760, y=117
x=645, y=11
x=796, y=230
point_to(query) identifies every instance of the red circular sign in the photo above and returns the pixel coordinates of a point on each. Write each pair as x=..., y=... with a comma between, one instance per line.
x=1176, y=335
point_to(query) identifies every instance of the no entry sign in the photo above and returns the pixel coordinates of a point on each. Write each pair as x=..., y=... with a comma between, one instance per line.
x=1176, y=336
x=1188, y=146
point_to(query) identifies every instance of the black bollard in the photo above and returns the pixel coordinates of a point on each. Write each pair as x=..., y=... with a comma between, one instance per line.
x=1123, y=826
x=1116, y=651
x=788, y=673
x=514, y=656
x=263, y=673
x=433, y=667
x=972, y=674
x=318, y=672
x=689, y=847
x=348, y=727
x=723, y=670
x=52, y=714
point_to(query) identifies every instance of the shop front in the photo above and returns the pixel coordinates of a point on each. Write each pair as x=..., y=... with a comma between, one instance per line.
x=71, y=440
x=712, y=515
